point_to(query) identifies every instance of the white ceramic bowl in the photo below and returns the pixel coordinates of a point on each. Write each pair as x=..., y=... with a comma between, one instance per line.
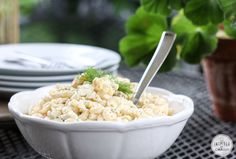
x=141, y=139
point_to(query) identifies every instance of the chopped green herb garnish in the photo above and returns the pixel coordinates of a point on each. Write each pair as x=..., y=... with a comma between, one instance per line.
x=90, y=74
x=124, y=87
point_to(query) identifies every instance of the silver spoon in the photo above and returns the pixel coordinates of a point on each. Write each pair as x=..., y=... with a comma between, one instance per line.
x=161, y=52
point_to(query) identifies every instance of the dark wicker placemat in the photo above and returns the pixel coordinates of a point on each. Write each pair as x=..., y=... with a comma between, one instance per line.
x=194, y=141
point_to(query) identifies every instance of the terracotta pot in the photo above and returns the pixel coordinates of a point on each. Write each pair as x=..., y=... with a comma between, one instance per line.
x=220, y=74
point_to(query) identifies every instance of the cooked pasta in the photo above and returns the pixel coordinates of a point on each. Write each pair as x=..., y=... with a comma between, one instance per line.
x=104, y=98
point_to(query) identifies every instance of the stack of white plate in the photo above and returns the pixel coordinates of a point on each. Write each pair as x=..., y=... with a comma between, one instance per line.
x=33, y=65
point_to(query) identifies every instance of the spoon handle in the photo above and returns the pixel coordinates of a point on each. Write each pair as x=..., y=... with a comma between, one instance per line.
x=162, y=50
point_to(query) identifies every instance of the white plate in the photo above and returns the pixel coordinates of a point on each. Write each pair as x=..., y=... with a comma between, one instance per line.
x=80, y=55
x=36, y=78
x=12, y=90
x=36, y=84
x=11, y=87
x=55, y=78
x=27, y=84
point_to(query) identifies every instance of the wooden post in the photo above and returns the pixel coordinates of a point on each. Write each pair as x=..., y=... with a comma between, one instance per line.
x=9, y=21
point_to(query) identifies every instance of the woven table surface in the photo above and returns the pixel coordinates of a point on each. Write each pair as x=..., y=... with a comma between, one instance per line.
x=194, y=141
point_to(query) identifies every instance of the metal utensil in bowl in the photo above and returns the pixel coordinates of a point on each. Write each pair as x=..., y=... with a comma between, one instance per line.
x=161, y=52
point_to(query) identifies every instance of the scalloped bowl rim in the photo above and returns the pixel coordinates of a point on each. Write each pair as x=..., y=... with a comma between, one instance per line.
x=103, y=125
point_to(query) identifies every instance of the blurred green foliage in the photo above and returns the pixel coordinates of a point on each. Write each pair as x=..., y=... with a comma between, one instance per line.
x=195, y=41
x=101, y=23
x=195, y=22
x=89, y=22
x=37, y=32
x=27, y=6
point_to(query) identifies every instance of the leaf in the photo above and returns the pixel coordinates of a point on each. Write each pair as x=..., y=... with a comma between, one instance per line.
x=176, y=4
x=135, y=47
x=196, y=46
x=143, y=34
x=229, y=9
x=195, y=41
x=169, y=62
x=142, y=21
x=230, y=28
x=163, y=7
x=202, y=12
x=156, y=6
x=180, y=23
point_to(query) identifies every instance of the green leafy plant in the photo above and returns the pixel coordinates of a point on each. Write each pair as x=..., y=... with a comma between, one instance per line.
x=196, y=23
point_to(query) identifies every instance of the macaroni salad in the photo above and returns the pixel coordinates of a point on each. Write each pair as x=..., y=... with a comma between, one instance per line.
x=96, y=96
